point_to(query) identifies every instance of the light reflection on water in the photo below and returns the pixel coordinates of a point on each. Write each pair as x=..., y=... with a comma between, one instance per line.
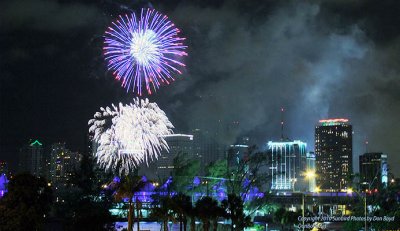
x=150, y=226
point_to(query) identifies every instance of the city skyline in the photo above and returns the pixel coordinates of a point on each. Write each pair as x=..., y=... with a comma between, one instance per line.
x=199, y=140
x=245, y=61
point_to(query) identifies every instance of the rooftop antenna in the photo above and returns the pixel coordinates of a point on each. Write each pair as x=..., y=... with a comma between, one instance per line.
x=282, y=110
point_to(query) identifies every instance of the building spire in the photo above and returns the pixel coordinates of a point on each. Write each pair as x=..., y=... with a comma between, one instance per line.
x=282, y=123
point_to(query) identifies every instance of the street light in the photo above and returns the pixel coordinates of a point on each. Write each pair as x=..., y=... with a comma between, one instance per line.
x=303, y=208
x=350, y=191
x=308, y=175
x=206, y=183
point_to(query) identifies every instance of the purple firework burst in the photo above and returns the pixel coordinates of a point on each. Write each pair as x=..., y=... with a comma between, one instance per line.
x=144, y=51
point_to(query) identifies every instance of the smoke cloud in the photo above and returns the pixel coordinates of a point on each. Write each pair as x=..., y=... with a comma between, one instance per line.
x=244, y=67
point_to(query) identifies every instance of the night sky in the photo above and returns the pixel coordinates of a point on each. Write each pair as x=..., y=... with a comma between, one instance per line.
x=247, y=59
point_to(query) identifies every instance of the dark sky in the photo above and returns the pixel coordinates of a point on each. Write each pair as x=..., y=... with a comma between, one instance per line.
x=247, y=59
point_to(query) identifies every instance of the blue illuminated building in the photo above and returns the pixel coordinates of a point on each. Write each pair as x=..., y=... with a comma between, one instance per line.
x=287, y=163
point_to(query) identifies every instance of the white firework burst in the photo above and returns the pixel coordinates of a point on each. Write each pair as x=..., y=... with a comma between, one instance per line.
x=128, y=135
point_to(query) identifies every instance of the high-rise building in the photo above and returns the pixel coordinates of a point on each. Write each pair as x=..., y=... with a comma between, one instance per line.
x=63, y=165
x=287, y=164
x=373, y=169
x=207, y=148
x=31, y=158
x=161, y=169
x=334, y=153
x=235, y=155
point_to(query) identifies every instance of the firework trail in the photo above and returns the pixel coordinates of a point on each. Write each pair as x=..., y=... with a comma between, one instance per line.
x=143, y=51
x=128, y=135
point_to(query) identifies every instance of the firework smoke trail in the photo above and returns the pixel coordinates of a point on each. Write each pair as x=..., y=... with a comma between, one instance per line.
x=143, y=51
x=135, y=135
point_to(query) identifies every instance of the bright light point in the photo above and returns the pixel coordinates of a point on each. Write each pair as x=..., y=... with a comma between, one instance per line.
x=145, y=48
x=310, y=174
x=349, y=191
x=317, y=189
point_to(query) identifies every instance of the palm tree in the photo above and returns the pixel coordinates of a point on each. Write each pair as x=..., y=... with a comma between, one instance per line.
x=182, y=205
x=192, y=214
x=279, y=217
x=161, y=210
x=207, y=210
x=127, y=189
x=233, y=207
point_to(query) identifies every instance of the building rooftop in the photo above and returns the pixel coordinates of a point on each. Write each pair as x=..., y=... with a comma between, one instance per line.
x=333, y=122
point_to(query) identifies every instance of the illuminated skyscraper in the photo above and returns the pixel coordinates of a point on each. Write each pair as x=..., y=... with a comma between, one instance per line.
x=63, y=165
x=333, y=150
x=373, y=169
x=287, y=164
x=31, y=158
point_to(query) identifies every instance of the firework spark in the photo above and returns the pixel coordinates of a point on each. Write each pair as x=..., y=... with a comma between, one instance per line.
x=128, y=135
x=144, y=51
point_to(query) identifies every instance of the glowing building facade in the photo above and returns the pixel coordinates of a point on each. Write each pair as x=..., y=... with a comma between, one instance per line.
x=287, y=163
x=373, y=169
x=63, y=165
x=334, y=153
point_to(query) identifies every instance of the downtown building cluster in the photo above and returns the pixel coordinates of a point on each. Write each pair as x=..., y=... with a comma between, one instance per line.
x=292, y=167
x=56, y=163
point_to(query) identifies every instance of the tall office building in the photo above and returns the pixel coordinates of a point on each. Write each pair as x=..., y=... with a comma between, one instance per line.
x=334, y=153
x=31, y=158
x=63, y=165
x=207, y=148
x=287, y=164
x=373, y=169
x=235, y=155
x=161, y=169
